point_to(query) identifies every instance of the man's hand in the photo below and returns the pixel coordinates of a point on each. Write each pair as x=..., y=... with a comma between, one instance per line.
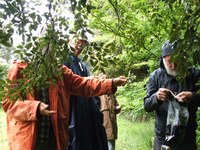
x=162, y=94
x=120, y=81
x=43, y=109
x=184, y=96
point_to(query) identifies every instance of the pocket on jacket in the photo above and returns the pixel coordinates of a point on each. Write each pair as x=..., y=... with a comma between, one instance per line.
x=20, y=134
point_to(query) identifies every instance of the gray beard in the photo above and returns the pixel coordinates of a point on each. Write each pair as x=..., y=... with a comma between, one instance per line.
x=171, y=72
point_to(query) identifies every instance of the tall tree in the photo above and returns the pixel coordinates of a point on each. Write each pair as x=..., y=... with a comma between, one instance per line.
x=44, y=29
x=136, y=32
x=141, y=27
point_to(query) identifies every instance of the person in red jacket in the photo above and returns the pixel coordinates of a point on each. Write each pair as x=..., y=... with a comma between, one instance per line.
x=40, y=121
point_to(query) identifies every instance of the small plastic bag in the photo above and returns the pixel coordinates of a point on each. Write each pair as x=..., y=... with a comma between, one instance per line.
x=177, y=119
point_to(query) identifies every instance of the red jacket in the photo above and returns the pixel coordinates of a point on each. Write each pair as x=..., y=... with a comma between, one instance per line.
x=22, y=115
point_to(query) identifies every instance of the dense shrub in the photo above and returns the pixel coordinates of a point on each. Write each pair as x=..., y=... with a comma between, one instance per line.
x=3, y=71
x=131, y=98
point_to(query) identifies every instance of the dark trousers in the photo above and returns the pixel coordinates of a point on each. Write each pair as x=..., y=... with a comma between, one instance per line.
x=187, y=144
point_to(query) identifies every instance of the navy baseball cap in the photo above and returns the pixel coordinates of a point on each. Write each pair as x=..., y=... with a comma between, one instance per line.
x=168, y=48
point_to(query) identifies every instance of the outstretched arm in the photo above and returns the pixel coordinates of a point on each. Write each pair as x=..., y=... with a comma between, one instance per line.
x=84, y=86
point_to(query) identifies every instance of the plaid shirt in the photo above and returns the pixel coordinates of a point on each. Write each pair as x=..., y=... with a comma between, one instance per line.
x=45, y=121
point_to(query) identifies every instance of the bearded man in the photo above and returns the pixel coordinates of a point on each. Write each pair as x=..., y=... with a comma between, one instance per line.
x=161, y=86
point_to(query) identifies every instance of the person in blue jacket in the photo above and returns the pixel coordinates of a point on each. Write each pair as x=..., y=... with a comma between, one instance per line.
x=161, y=82
x=86, y=121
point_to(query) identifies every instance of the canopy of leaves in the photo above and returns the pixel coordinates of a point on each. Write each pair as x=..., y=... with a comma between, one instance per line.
x=141, y=27
x=128, y=35
x=43, y=28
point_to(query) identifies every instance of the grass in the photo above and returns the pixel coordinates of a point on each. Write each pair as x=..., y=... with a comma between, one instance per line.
x=131, y=136
x=3, y=135
x=134, y=136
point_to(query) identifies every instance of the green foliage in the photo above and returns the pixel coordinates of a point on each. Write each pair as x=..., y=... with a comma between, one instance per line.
x=128, y=38
x=3, y=70
x=3, y=73
x=46, y=51
x=143, y=26
x=99, y=56
x=131, y=98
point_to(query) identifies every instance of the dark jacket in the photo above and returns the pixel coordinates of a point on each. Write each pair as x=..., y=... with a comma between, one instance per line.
x=159, y=78
x=86, y=120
